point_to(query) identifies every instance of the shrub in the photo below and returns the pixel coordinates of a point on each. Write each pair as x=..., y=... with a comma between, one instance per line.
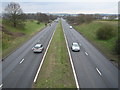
x=38, y=22
x=105, y=32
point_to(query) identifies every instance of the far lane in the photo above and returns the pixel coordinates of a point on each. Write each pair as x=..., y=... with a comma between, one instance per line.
x=16, y=75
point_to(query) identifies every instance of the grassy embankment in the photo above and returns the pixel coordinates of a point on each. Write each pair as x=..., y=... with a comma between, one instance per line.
x=14, y=37
x=105, y=46
x=56, y=71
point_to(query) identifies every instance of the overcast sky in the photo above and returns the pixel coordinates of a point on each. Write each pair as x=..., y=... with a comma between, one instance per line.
x=67, y=6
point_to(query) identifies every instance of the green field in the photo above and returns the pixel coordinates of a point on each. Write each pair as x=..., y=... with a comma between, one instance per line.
x=56, y=71
x=105, y=46
x=19, y=35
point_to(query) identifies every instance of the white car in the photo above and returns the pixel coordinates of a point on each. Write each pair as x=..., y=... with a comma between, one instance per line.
x=75, y=46
x=56, y=20
x=38, y=48
x=70, y=27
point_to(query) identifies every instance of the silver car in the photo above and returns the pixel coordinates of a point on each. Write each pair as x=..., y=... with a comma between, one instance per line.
x=75, y=46
x=38, y=48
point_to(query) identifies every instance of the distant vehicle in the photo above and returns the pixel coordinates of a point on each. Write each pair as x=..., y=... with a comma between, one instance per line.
x=70, y=27
x=75, y=46
x=38, y=48
x=56, y=20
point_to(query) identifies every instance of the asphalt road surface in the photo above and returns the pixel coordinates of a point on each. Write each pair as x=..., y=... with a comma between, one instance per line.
x=19, y=68
x=93, y=70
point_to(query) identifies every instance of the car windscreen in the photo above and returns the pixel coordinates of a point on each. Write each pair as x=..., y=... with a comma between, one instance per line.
x=75, y=45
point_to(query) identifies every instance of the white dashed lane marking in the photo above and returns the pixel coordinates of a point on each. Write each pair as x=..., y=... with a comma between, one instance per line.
x=86, y=53
x=1, y=85
x=98, y=71
x=22, y=60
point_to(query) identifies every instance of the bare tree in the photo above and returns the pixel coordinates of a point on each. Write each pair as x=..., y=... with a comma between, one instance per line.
x=52, y=17
x=41, y=17
x=14, y=14
x=79, y=19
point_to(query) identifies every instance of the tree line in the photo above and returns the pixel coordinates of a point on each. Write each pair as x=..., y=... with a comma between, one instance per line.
x=15, y=15
x=79, y=19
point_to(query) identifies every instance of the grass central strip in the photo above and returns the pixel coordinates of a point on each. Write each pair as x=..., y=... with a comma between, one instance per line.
x=56, y=71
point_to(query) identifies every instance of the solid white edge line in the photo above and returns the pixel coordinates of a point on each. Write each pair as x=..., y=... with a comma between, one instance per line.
x=43, y=58
x=86, y=53
x=22, y=61
x=75, y=76
x=98, y=71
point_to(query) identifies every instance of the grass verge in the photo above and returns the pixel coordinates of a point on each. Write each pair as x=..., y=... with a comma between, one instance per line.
x=20, y=35
x=105, y=46
x=56, y=71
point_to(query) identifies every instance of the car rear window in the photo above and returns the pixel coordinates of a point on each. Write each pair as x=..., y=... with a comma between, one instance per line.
x=38, y=46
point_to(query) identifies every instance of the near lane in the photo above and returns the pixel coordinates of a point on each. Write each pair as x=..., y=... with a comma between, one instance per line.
x=93, y=70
